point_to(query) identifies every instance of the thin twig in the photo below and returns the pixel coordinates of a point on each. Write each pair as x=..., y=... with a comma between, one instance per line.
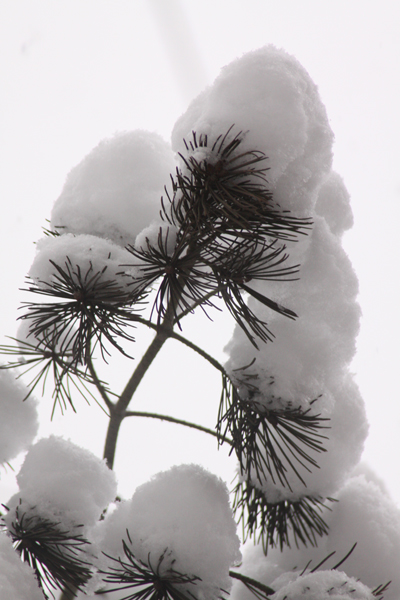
x=135, y=413
x=190, y=309
x=164, y=331
x=119, y=409
x=99, y=385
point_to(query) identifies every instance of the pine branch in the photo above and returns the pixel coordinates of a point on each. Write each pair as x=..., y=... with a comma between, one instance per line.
x=118, y=410
x=144, y=581
x=88, y=307
x=163, y=331
x=279, y=524
x=224, y=199
x=57, y=556
x=101, y=387
x=180, y=338
x=226, y=217
x=268, y=442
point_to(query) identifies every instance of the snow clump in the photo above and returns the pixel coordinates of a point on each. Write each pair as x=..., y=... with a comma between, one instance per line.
x=63, y=483
x=185, y=513
x=269, y=97
x=320, y=585
x=87, y=255
x=115, y=191
x=18, y=419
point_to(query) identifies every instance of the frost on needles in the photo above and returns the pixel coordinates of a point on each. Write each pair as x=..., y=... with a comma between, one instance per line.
x=243, y=213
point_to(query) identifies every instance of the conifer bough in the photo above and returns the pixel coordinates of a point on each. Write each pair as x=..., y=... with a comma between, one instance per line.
x=240, y=227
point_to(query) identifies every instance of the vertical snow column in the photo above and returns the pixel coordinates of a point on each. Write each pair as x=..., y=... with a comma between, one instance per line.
x=269, y=97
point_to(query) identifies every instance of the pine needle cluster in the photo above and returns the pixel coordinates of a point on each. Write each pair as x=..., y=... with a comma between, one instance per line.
x=58, y=557
x=224, y=190
x=89, y=309
x=42, y=360
x=86, y=310
x=270, y=442
x=145, y=580
x=229, y=234
x=282, y=523
x=271, y=445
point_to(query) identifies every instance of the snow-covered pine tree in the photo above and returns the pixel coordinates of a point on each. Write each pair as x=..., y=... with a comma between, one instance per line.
x=250, y=221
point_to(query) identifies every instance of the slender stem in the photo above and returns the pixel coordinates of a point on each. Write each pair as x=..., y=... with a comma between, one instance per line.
x=248, y=581
x=110, y=444
x=117, y=411
x=89, y=362
x=164, y=331
x=99, y=385
x=199, y=351
x=145, y=362
x=135, y=413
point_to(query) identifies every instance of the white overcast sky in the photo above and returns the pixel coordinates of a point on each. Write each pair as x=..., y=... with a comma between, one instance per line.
x=73, y=72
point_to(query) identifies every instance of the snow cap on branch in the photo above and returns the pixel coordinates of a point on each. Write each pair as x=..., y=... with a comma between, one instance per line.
x=367, y=515
x=270, y=97
x=63, y=483
x=151, y=235
x=18, y=419
x=319, y=345
x=115, y=191
x=321, y=585
x=88, y=253
x=184, y=511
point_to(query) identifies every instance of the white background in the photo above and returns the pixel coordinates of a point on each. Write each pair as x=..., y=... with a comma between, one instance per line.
x=73, y=72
